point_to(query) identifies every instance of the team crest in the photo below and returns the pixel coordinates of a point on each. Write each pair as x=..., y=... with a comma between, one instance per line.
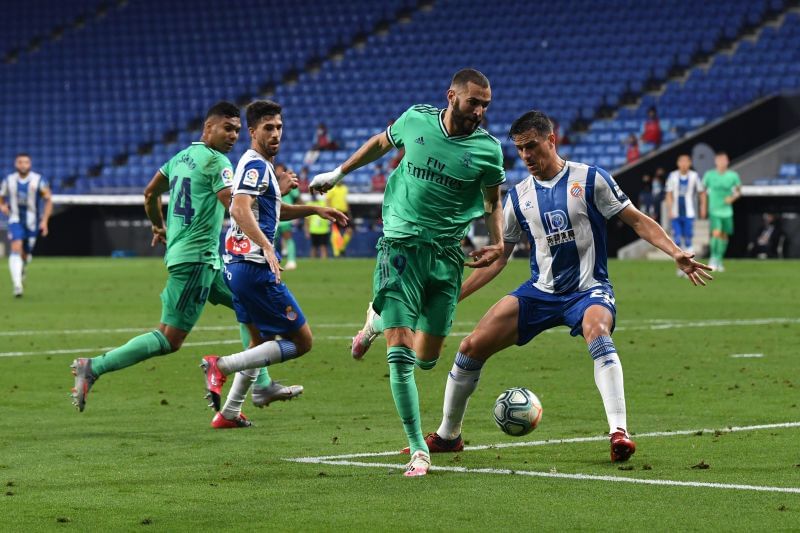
x=576, y=190
x=290, y=313
x=250, y=178
x=466, y=159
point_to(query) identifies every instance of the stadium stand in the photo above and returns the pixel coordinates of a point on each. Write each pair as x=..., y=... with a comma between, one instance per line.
x=132, y=87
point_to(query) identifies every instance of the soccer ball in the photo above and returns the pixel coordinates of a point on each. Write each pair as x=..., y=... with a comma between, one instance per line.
x=517, y=411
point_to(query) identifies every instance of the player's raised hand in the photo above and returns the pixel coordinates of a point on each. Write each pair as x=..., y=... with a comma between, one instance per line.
x=334, y=215
x=327, y=180
x=287, y=180
x=696, y=272
x=159, y=235
x=272, y=261
x=485, y=256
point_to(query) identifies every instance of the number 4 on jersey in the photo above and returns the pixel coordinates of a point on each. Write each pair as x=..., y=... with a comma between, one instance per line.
x=183, y=200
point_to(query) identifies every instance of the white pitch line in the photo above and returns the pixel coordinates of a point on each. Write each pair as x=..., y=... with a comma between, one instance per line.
x=747, y=355
x=591, y=477
x=525, y=444
x=656, y=324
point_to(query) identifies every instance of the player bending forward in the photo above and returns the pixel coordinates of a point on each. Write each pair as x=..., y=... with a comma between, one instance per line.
x=252, y=269
x=562, y=208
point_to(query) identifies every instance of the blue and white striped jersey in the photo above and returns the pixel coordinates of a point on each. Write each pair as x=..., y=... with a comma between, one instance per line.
x=23, y=197
x=565, y=221
x=684, y=189
x=254, y=176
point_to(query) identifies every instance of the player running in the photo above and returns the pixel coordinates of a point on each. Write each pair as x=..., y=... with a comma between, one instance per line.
x=252, y=269
x=199, y=179
x=450, y=174
x=21, y=194
x=562, y=207
x=724, y=188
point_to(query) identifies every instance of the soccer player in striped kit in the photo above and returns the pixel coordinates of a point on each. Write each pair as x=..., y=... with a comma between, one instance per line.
x=562, y=207
x=21, y=196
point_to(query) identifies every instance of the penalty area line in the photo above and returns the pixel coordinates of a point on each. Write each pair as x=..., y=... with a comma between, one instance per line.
x=557, y=475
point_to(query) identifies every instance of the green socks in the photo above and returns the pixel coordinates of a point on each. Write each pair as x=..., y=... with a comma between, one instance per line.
x=406, y=397
x=291, y=251
x=718, y=248
x=134, y=351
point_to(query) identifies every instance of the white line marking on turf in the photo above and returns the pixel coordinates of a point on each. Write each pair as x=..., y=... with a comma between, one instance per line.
x=657, y=324
x=747, y=355
x=341, y=460
x=733, y=429
x=592, y=477
x=650, y=325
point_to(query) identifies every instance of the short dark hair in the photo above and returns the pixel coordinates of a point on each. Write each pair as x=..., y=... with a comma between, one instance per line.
x=22, y=154
x=722, y=152
x=224, y=109
x=260, y=109
x=466, y=75
x=532, y=120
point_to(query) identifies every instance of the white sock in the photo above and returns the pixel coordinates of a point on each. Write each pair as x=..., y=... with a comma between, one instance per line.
x=236, y=396
x=15, y=267
x=461, y=383
x=608, y=378
x=265, y=354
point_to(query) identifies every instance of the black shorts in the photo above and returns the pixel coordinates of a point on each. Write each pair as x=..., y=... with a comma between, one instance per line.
x=320, y=239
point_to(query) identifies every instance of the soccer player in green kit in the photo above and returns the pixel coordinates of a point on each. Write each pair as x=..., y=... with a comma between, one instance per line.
x=450, y=174
x=288, y=248
x=198, y=179
x=723, y=187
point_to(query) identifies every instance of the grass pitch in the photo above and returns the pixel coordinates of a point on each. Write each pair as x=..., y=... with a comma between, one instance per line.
x=142, y=455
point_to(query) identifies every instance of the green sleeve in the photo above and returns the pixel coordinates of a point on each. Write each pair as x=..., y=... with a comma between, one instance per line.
x=738, y=182
x=223, y=174
x=495, y=174
x=166, y=167
x=395, y=131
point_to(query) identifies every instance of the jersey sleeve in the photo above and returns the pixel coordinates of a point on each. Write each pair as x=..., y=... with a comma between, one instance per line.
x=608, y=197
x=44, y=185
x=512, y=232
x=670, y=186
x=395, y=131
x=253, y=175
x=494, y=174
x=166, y=168
x=738, y=181
x=223, y=174
x=4, y=187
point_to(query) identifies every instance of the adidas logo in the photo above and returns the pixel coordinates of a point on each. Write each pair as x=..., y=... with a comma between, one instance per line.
x=420, y=140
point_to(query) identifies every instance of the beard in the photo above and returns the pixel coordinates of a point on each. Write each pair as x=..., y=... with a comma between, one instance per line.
x=464, y=121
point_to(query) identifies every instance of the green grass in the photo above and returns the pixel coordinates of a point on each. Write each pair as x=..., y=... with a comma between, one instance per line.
x=142, y=455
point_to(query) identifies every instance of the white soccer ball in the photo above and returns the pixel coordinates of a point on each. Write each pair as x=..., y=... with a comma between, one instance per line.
x=517, y=411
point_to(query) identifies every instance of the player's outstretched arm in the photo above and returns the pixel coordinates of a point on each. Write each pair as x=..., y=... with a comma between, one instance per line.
x=372, y=150
x=482, y=276
x=242, y=213
x=293, y=211
x=647, y=228
x=158, y=185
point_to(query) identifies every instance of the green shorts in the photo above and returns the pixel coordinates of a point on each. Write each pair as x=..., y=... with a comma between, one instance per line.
x=416, y=284
x=283, y=227
x=723, y=224
x=189, y=286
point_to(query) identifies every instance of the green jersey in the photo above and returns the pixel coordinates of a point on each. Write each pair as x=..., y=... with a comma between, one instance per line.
x=291, y=197
x=437, y=189
x=194, y=217
x=718, y=187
